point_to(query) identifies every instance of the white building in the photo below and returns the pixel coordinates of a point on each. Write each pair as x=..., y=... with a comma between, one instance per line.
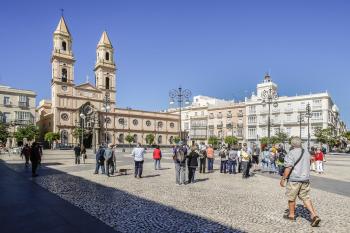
x=248, y=120
x=16, y=109
x=285, y=116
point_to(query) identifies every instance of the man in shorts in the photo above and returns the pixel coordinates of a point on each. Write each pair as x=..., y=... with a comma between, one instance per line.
x=297, y=175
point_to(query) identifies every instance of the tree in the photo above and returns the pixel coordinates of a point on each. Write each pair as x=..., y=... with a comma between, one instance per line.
x=323, y=135
x=213, y=140
x=347, y=135
x=231, y=140
x=177, y=140
x=4, y=134
x=51, y=136
x=272, y=140
x=77, y=132
x=129, y=138
x=150, y=139
x=282, y=137
x=30, y=132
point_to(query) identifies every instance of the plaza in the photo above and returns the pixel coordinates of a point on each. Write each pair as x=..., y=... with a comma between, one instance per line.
x=215, y=203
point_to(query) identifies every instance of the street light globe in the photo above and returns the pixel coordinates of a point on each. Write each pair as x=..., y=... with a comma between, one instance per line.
x=82, y=115
x=108, y=108
x=103, y=109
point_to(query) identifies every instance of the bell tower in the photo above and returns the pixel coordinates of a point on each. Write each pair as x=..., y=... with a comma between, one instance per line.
x=62, y=59
x=62, y=62
x=105, y=68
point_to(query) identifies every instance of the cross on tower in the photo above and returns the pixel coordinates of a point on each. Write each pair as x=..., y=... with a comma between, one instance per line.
x=62, y=10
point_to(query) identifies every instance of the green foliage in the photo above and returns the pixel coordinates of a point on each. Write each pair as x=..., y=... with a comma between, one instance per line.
x=150, y=139
x=177, y=140
x=231, y=140
x=282, y=137
x=4, y=134
x=347, y=135
x=77, y=132
x=129, y=138
x=279, y=138
x=324, y=135
x=51, y=136
x=29, y=132
x=213, y=140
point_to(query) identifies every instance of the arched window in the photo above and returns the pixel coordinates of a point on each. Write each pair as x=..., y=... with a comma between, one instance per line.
x=64, y=75
x=107, y=82
x=135, y=138
x=160, y=139
x=107, y=56
x=121, y=138
x=64, y=45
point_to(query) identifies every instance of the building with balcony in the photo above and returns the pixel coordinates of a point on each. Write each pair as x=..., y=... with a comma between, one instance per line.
x=285, y=116
x=17, y=108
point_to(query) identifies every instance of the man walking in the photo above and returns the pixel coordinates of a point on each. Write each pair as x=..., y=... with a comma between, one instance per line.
x=35, y=157
x=26, y=152
x=179, y=157
x=77, y=151
x=138, y=153
x=297, y=175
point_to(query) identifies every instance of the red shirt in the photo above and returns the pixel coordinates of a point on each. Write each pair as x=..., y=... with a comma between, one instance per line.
x=157, y=154
x=319, y=156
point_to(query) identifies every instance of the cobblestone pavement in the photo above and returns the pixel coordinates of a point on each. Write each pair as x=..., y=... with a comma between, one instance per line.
x=215, y=203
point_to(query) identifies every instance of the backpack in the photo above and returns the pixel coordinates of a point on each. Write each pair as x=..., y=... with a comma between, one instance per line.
x=180, y=154
x=108, y=153
x=245, y=155
x=281, y=157
x=223, y=154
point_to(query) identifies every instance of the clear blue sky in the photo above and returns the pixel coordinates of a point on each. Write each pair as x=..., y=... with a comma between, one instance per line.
x=215, y=48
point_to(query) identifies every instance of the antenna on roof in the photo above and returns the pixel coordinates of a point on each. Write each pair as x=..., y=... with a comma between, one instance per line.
x=87, y=78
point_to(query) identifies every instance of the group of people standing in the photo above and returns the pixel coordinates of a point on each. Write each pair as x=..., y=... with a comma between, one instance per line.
x=105, y=160
x=233, y=160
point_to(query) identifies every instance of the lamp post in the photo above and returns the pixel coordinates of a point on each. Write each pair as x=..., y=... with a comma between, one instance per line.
x=300, y=121
x=269, y=97
x=105, y=108
x=83, y=117
x=308, y=115
x=181, y=96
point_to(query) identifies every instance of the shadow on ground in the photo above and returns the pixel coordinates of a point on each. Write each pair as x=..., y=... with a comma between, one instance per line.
x=123, y=211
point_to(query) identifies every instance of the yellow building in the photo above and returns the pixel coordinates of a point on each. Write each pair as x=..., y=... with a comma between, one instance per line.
x=93, y=107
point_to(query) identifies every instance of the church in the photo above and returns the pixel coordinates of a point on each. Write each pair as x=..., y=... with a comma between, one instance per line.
x=91, y=109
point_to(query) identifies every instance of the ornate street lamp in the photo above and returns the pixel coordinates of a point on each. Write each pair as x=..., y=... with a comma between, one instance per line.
x=269, y=97
x=106, y=108
x=83, y=117
x=300, y=121
x=308, y=115
x=181, y=96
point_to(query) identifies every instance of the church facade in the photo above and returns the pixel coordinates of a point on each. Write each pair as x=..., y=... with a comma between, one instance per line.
x=91, y=109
